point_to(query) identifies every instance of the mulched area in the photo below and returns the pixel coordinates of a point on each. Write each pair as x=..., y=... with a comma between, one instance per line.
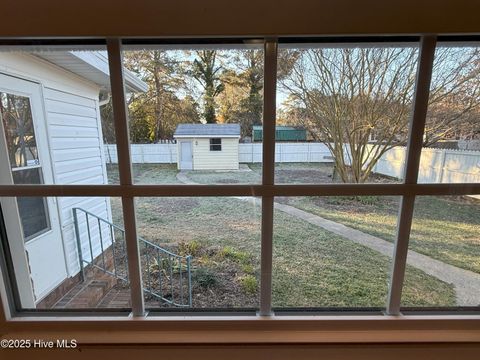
x=216, y=278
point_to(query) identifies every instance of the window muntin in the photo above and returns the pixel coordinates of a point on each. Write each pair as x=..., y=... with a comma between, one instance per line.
x=453, y=189
x=216, y=144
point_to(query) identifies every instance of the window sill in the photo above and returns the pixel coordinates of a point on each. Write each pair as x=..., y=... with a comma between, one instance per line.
x=248, y=329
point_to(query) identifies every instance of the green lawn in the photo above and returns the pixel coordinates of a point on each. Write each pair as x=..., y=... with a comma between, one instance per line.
x=444, y=228
x=147, y=174
x=312, y=267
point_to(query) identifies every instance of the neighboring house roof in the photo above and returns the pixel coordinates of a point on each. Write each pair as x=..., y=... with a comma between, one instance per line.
x=207, y=130
x=91, y=65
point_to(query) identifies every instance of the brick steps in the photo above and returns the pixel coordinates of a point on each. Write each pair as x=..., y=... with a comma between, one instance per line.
x=88, y=294
x=116, y=299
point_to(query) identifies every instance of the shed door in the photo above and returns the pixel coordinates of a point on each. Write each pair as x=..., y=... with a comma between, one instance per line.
x=33, y=227
x=186, y=155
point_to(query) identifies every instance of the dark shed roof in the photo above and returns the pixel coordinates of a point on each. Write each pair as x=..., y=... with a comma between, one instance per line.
x=207, y=130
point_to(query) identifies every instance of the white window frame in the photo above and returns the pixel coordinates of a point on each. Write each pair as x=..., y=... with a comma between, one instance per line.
x=220, y=144
x=264, y=327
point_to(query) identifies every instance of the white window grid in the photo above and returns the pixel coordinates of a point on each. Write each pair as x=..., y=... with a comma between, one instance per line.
x=267, y=190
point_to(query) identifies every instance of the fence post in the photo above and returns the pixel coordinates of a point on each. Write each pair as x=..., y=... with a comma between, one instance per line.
x=442, y=166
x=375, y=167
x=404, y=151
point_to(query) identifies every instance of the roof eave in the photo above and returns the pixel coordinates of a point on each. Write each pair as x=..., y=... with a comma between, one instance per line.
x=100, y=62
x=82, y=63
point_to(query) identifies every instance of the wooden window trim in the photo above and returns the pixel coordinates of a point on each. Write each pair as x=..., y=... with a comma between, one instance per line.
x=266, y=327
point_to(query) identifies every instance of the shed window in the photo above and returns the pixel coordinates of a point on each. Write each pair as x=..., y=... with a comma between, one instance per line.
x=216, y=144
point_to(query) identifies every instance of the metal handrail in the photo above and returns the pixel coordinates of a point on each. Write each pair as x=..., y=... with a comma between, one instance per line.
x=168, y=275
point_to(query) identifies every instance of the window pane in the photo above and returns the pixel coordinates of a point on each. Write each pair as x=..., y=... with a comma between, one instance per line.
x=47, y=267
x=197, y=112
x=445, y=242
x=33, y=210
x=56, y=111
x=215, y=144
x=215, y=242
x=343, y=112
x=16, y=114
x=337, y=252
x=451, y=152
x=37, y=219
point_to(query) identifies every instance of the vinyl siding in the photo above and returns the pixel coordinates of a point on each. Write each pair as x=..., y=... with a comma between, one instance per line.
x=76, y=147
x=75, y=144
x=204, y=159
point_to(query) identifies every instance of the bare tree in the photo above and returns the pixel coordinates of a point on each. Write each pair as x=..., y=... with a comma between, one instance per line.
x=358, y=100
x=454, y=95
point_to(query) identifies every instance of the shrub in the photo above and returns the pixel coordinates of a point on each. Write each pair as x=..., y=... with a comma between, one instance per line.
x=205, y=278
x=368, y=200
x=348, y=200
x=248, y=269
x=249, y=284
x=189, y=248
x=230, y=253
x=337, y=200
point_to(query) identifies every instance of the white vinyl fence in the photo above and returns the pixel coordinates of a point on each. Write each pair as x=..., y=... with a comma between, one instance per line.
x=145, y=153
x=286, y=153
x=248, y=153
x=436, y=165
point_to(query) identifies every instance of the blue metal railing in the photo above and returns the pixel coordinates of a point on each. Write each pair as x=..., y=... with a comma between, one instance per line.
x=166, y=276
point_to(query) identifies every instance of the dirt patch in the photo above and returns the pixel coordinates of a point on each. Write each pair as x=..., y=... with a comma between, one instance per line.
x=217, y=279
x=221, y=277
x=357, y=204
x=168, y=206
x=302, y=176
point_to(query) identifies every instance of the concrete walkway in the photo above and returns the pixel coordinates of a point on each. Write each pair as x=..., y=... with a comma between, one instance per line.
x=465, y=282
x=183, y=178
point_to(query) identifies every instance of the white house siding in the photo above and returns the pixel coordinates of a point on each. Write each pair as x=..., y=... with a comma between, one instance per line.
x=204, y=159
x=75, y=140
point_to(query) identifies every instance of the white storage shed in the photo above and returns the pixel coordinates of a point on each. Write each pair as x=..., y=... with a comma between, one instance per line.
x=207, y=146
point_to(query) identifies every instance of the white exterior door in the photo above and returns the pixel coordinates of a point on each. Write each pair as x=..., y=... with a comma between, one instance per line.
x=33, y=226
x=186, y=155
